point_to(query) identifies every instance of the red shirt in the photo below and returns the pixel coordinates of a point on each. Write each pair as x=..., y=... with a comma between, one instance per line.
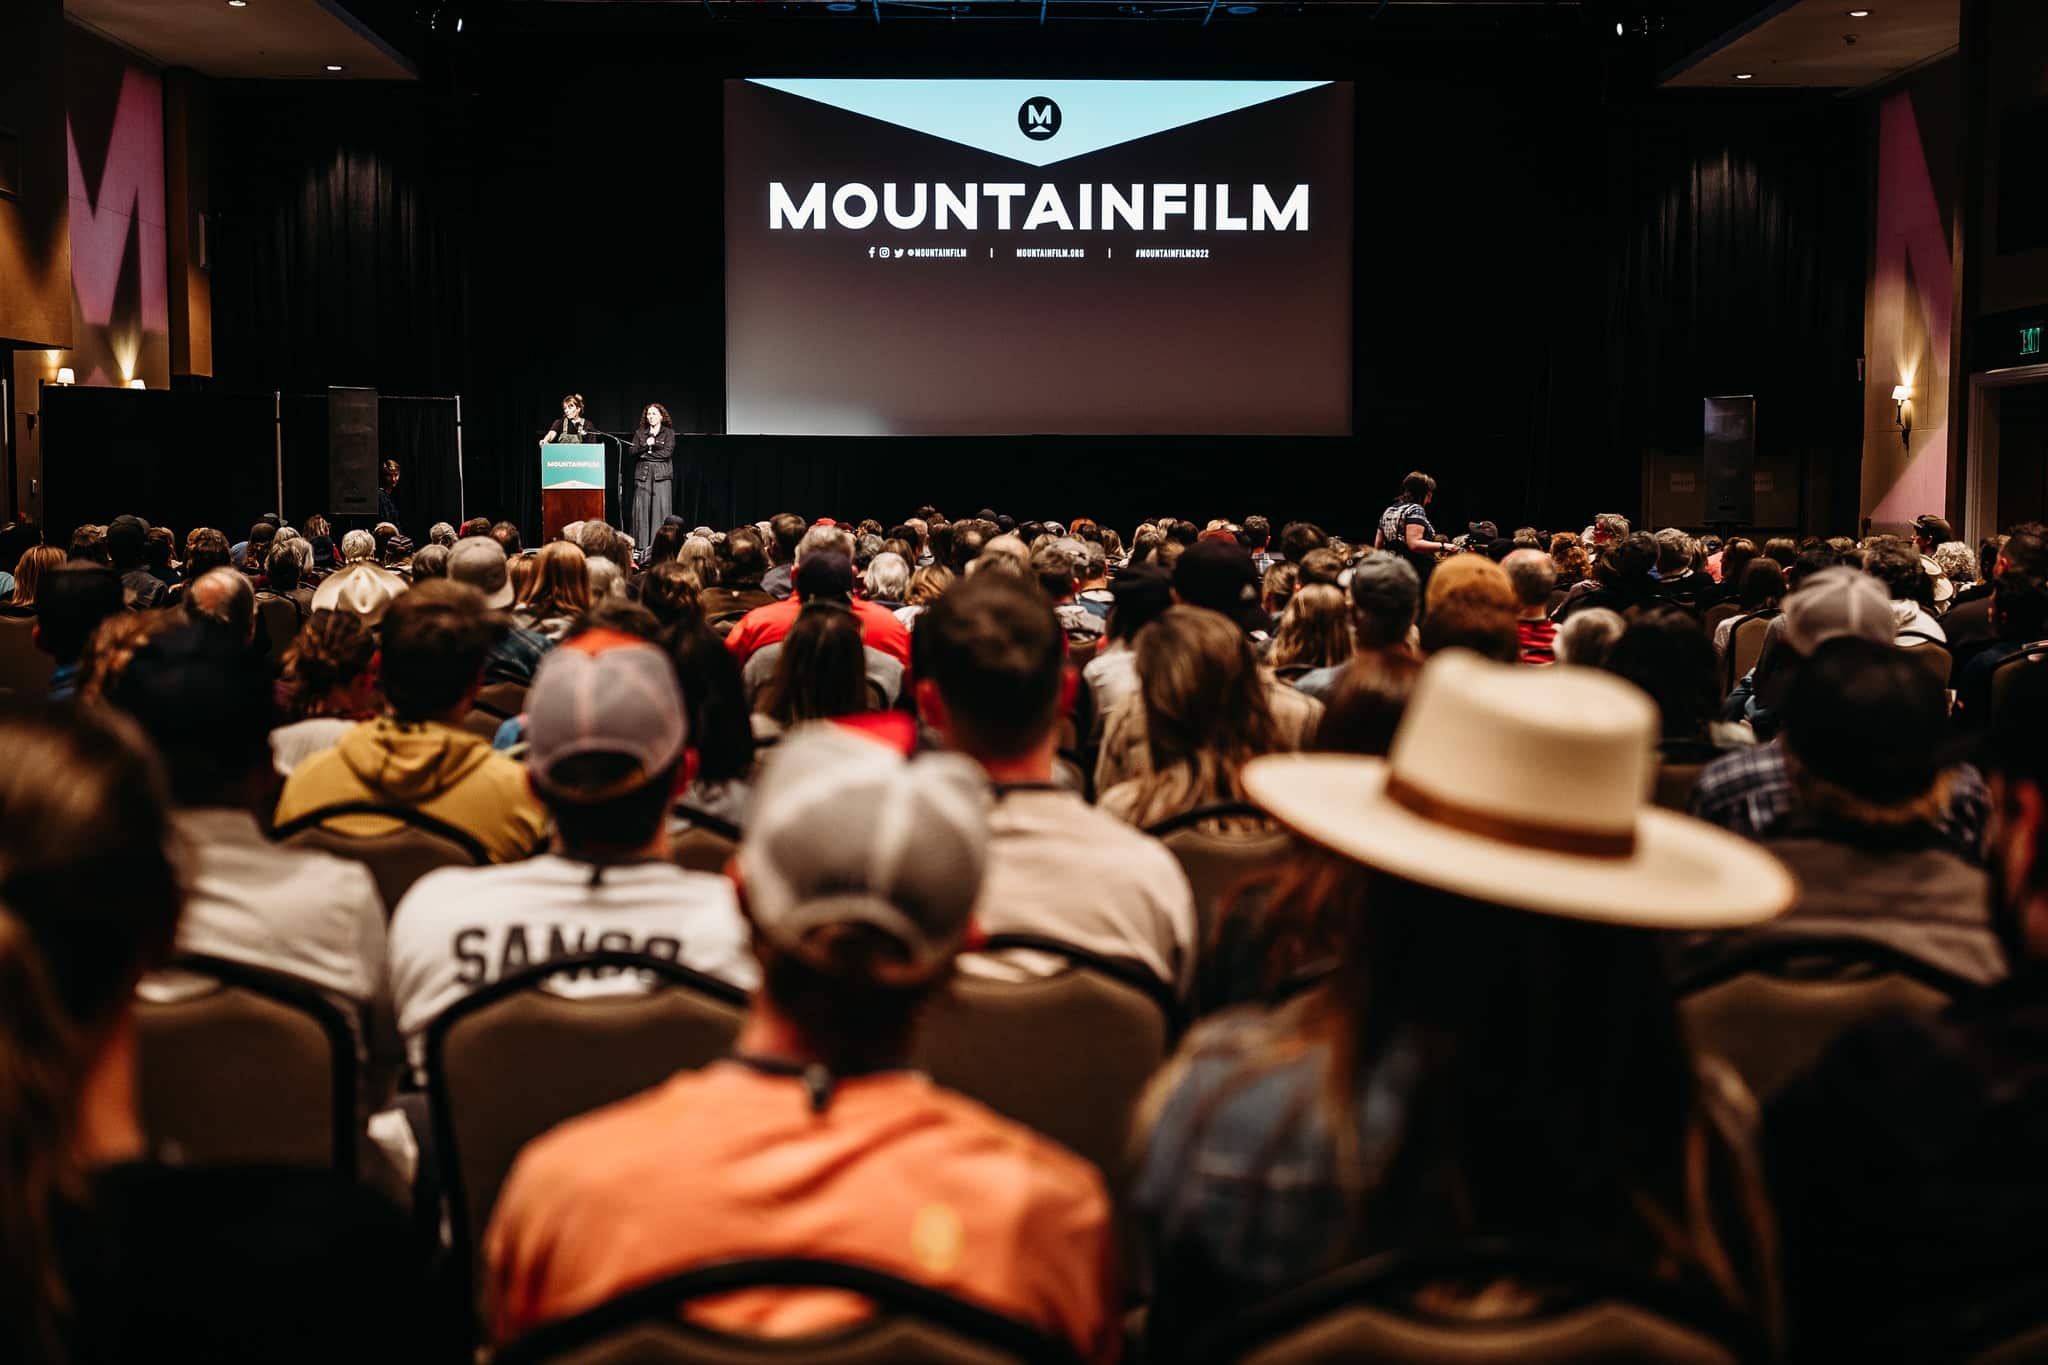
x=1538, y=639
x=879, y=628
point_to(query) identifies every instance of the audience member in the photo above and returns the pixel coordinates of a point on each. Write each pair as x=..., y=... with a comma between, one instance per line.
x=738, y=589
x=1497, y=1053
x=858, y=890
x=1904, y=1164
x=765, y=625
x=70, y=603
x=1759, y=592
x=105, y=1253
x=480, y=563
x=1204, y=711
x=785, y=530
x=1057, y=565
x=222, y=598
x=557, y=594
x=819, y=671
x=1385, y=595
x=29, y=570
x=1363, y=708
x=1586, y=636
x=205, y=702
x=992, y=683
x=1664, y=653
x=2019, y=617
x=436, y=640
x=1533, y=576
x=362, y=589
x=1751, y=791
x=1864, y=727
x=1314, y=631
x=126, y=539
x=608, y=755
x=1898, y=566
x=327, y=688
x=282, y=570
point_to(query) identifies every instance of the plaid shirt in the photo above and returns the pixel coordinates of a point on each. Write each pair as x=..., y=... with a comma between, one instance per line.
x=1750, y=792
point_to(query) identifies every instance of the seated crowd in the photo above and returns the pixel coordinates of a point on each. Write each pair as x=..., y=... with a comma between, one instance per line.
x=1530, y=795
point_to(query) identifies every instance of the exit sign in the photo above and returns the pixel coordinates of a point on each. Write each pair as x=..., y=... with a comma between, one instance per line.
x=2030, y=340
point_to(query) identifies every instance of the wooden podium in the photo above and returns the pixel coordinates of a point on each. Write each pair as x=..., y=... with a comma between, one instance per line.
x=571, y=485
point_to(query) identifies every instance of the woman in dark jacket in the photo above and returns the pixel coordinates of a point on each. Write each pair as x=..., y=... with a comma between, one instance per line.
x=653, y=497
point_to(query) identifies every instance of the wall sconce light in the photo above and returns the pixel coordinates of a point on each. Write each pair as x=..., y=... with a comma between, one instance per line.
x=67, y=376
x=1902, y=395
x=137, y=384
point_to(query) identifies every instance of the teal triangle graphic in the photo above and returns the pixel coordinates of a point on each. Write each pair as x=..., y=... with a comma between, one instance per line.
x=1092, y=114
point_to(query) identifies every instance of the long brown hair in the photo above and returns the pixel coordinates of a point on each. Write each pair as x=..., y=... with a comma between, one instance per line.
x=1314, y=630
x=1206, y=714
x=328, y=655
x=561, y=581
x=36, y=561
x=1541, y=1070
x=89, y=901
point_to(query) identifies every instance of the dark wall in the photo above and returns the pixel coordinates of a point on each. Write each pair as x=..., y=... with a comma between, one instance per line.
x=557, y=227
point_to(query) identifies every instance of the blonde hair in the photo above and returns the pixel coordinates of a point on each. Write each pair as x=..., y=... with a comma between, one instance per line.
x=36, y=561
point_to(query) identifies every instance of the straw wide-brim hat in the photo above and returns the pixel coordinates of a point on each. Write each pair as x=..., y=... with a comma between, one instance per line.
x=1526, y=788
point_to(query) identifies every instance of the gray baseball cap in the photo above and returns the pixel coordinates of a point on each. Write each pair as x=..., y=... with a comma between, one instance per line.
x=480, y=562
x=604, y=692
x=1836, y=602
x=845, y=830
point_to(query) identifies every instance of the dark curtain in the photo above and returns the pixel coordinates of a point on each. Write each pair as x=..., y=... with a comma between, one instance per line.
x=1738, y=267
x=177, y=459
x=419, y=433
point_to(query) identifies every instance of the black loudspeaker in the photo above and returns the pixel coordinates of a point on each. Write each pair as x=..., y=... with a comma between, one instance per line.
x=352, y=452
x=1729, y=461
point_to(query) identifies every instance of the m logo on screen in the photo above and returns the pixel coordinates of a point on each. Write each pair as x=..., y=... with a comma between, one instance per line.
x=1038, y=118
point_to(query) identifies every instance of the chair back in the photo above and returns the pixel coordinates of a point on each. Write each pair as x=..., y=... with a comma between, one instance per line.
x=1218, y=861
x=1773, y=1010
x=281, y=621
x=514, y=1059
x=1675, y=782
x=24, y=669
x=1065, y=1055
x=2007, y=671
x=1930, y=653
x=503, y=700
x=396, y=858
x=912, y=1324
x=1746, y=645
x=705, y=844
x=1368, y=1312
x=244, y=1065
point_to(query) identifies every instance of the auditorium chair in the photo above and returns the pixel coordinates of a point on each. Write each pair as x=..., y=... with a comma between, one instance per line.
x=24, y=669
x=912, y=1324
x=281, y=622
x=1065, y=1054
x=495, y=704
x=1772, y=1009
x=704, y=843
x=236, y=1064
x=2007, y=671
x=1931, y=654
x=514, y=1059
x=396, y=858
x=1587, y=1312
x=1218, y=861
x=1675, y=782
x=1746, y=645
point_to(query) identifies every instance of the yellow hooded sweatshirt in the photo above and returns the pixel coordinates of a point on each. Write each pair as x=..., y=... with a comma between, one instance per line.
x=447, y=773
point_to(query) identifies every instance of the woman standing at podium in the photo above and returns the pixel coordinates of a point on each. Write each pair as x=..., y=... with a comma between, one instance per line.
x=654, y=472
x=570, y=426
